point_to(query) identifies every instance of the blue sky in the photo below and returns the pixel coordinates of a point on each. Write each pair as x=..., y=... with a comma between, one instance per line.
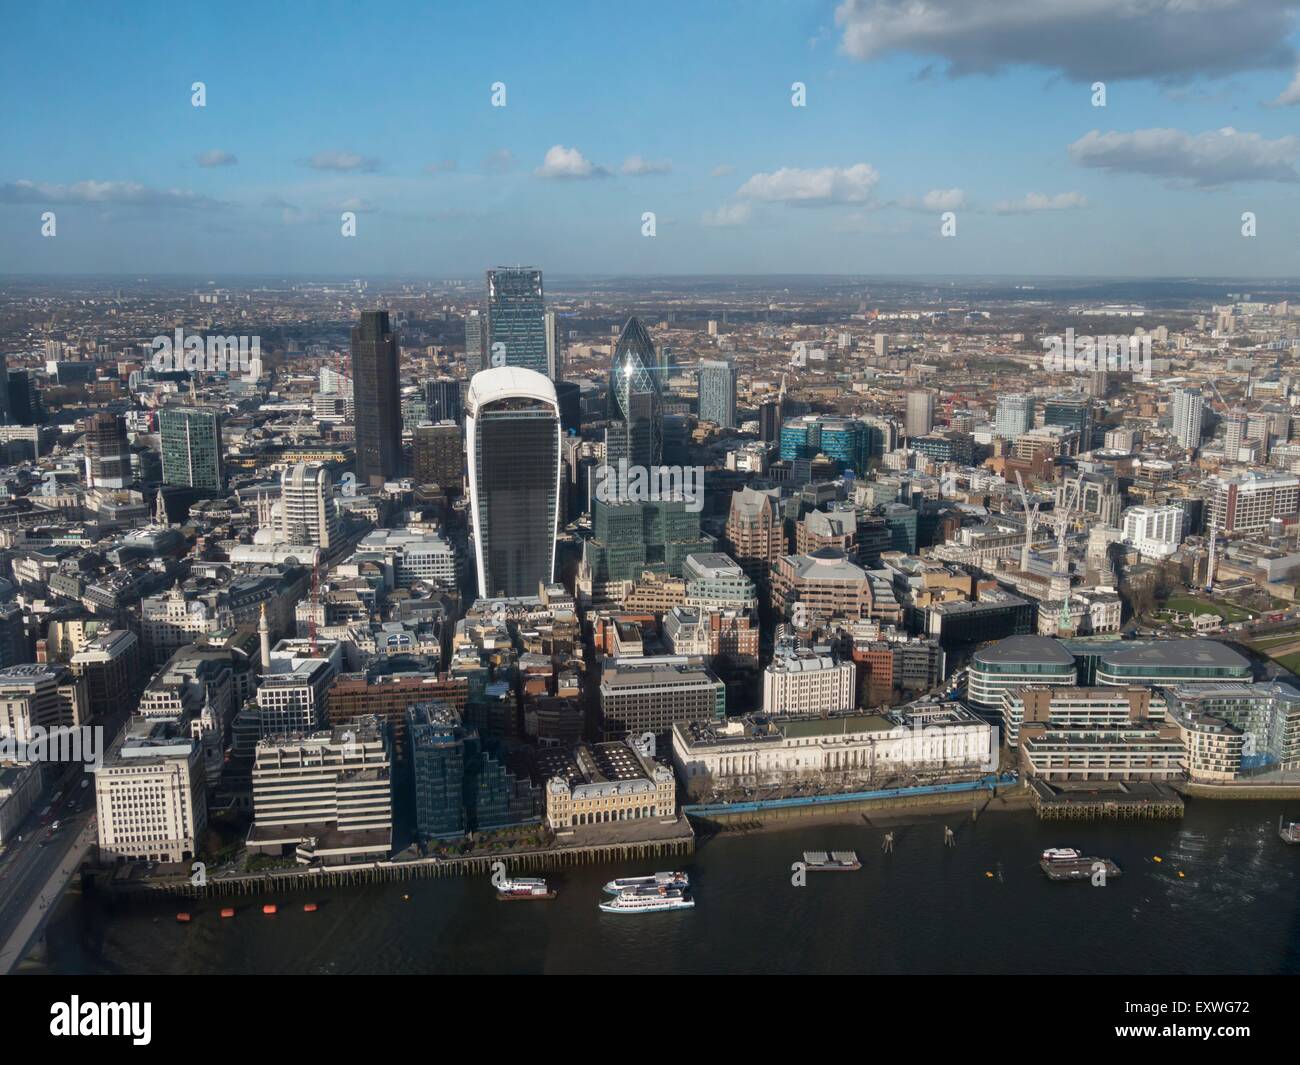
x=981, y=106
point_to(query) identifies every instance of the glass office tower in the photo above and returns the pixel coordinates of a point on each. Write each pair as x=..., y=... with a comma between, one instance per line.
x=513, y=445
x=191, y=448
x=516, y=320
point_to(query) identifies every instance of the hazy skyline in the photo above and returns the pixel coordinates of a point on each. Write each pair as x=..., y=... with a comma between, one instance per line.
x=980, y=108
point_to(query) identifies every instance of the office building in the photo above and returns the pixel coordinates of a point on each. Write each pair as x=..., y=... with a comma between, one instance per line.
x=716, y=382
x=1188, y=417
x=326, y=797
x=1073, y=413
x=108, y=456
x=1156, y=531
x=438, y=456
x=1015, y=415
x=308, y=513
x=635, y=402
x=191, y=448
x=804, y=683
x=609, y=782
x=477, y=356
x=443, y=400
x=1016, y=662
x=755, y=532
x=1252, y=502
x=554, y=347
x=516, y=320
x=640, y=697
x=835, y=753
x=377, y=388
x=513, y=444
x=150, y=796
x=919, y=418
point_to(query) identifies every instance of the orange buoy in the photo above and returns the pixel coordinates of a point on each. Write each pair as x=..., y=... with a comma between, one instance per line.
x=183, y=918
x=269, y=908
x=229, y=911
x=309, y=908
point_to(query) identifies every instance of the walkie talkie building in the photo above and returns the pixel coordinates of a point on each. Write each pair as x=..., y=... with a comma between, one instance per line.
x=513, y=440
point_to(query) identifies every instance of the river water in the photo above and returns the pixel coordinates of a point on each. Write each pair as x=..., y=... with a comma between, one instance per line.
x=926, y=908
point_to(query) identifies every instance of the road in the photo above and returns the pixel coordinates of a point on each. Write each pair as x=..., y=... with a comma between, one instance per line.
x=32, y=876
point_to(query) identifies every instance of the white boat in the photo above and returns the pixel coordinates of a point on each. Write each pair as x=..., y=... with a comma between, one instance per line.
x=649, y=901
x=631, y=883
x=523, y=887
x=1062, y=854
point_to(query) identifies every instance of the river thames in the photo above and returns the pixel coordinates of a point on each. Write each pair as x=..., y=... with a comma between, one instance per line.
x=983, y=906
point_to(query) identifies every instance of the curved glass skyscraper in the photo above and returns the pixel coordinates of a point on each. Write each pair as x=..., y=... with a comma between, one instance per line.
x=635, y=400
x=513, y=441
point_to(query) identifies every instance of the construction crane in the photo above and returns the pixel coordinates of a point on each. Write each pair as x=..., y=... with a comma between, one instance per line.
x=1031, y=521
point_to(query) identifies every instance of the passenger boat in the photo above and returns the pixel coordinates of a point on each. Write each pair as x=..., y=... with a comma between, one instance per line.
x=523, y=888
x=1288, y=831
x=649, y=900
x=835, y=862
x=630, y=883
x=1066, y=863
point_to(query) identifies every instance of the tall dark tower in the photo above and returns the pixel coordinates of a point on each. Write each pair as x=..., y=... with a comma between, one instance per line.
x=375, y=377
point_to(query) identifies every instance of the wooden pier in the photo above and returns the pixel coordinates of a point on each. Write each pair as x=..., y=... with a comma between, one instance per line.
x=1078, y=800
x=677, y=840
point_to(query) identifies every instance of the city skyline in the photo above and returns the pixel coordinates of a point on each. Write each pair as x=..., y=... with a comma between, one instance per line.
x=983, y=112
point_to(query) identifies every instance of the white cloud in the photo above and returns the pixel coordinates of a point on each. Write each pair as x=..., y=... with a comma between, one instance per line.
x=731, y=214
x=1214, y=158
x=129, y=193
x=346, y=161
x=636, y=166
x=1290, y=96
x=499, y=162
x=1039, y=201
x=215, y=157
x=828, y=184
x=935, y=200
x=1086, y=40
x=567, y=163
x=721, y=170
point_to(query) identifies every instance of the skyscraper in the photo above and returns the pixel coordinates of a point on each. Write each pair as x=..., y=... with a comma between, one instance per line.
x=1071, y=412
x=191, y=448
x=554, y=347
x=769, y=420
x=475, y=342
x=513, y=444
x=439, y=456
x=108, y=458
x=717, y=388
x=378, y=405
x=1015, y=415
x=920, y=413
x=442, y=398
x=516, y=320
x=1235, y=424
x=1188, y=414
x=307, y=507
x=635, y=405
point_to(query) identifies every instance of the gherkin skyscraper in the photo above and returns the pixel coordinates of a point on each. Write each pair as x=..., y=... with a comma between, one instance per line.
x=635, y=401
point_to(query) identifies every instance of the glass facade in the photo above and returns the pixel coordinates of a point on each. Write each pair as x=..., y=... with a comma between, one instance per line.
x=517, y=455
x=191, y=448
x=516, y=319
